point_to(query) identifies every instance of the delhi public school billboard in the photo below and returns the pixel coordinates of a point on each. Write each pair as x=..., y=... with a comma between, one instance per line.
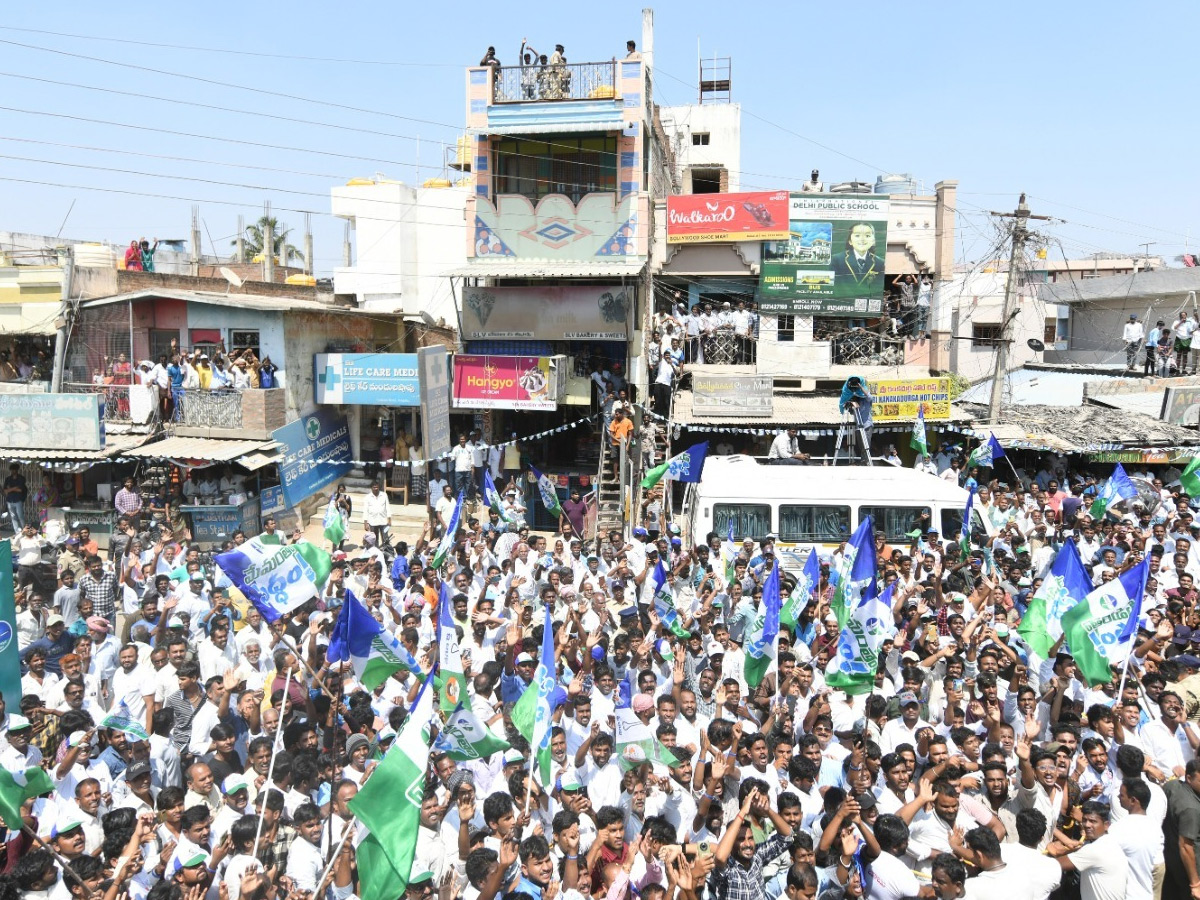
x=833, y=262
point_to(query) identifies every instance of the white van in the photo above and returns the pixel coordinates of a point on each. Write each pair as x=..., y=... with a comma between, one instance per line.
x=807, y=506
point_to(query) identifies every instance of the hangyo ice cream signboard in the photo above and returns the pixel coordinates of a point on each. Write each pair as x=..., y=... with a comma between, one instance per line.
x=504, y=382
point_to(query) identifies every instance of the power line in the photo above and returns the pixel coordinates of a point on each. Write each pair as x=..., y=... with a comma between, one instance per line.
x=329, y=59
x=229, y=84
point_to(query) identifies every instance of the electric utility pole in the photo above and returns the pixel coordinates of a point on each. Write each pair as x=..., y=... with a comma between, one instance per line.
x=1019, y=233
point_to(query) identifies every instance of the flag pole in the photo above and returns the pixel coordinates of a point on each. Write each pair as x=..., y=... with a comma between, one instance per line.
x=1019, y=485
x=347, y=829
x=287, y=683
x=58, y=857
x=1124, y=674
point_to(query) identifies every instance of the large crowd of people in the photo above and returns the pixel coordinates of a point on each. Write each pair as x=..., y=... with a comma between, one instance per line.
x=196, y=750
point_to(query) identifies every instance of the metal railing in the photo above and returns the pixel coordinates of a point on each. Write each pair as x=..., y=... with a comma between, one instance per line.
x=574, y=81
x=135, y=404
x=221, y=408
x=721, y=348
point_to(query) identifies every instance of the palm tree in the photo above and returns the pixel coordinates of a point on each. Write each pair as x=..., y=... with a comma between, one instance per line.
x=283, y=251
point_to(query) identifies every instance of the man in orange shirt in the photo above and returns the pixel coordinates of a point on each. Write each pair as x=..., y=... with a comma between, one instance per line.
x=620, y=431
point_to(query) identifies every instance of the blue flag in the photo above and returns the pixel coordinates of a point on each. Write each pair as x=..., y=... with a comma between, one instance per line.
x=371, y=650
x=1119, y=487
x=987, y=453
x=802, y=593
x=686, y=466
x=1065, y=585
x=664, y=603
x=964, y=533
x=1101, y=627
x=531, y=715
x=762, y=648
x=856, y=572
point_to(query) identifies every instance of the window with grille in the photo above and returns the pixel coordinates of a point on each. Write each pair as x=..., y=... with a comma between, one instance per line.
x=244, y=340
x=700, y=138
x=984, y=335
x=560, y=164
x=787, y=328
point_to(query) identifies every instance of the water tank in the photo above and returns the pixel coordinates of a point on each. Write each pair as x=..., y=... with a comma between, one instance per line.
x=895, y=184
x=436, y=183
x=308, y=280
x=850, y=187
x=94, y=256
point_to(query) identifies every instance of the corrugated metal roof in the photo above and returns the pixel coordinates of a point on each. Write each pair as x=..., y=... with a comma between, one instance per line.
x=548, y=268
x=213, y=449
x=1148, y=403
x=1153, y=283
x=259, y=302
x=1035, y=387
x=788, y=409
x=114, y=445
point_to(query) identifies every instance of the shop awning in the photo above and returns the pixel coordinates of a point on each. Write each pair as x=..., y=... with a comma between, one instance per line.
x=208, y=449
x=535, y=268
x=114, y=446
x=259, y=459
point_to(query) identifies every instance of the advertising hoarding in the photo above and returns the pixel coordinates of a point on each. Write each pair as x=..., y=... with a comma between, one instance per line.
x=52, y=421
x=833, y=262
x=434, y=363
x=692, y=218
x=899, y=400
x=586, y=313
x=366, y=379
x=506, y=382
x=1181, y=406
x=732, y=395
x=315, y=453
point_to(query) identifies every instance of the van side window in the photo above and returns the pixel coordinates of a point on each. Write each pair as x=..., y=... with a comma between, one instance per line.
x=896, y=521
x=824, y=524
x=750, y=520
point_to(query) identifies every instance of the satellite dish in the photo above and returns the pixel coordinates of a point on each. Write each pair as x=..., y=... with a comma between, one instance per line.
x=232, y=277
x=1036, y=345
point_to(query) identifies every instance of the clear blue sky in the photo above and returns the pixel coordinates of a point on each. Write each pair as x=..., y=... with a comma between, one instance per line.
x=1075, y=104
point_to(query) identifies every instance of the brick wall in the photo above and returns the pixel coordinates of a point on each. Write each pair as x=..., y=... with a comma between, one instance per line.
x=128, y=282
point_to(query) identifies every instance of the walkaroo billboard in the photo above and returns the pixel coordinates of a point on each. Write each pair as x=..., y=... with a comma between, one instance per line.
x=505, y=382
x=727, y=217
x=833, y=261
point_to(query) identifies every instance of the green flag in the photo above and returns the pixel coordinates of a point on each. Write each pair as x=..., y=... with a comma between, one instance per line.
x=16, y=788
x=1100, y=628
x=917, y=440
x=451, y=682
x=464, y=737
x=335, y=528
x=389, y=804
x=636, y=744
x=1189, y=479
x=446, y=544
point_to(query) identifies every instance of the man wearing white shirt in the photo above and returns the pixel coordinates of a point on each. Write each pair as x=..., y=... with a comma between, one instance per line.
x=377, y=513
x=133, y=686
x=904, y=729
x=1141, y=839
x=1132, y=335
x=462, y=456
x=1170, y=740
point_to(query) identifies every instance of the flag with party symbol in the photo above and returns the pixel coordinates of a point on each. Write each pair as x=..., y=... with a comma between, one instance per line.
x=1065, y=585
x=762, y=643
x=374, y=654
x=1100, y=628
x=548, y=492
x=1118, y=487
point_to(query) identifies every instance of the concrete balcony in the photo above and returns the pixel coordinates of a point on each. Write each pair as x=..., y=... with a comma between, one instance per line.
x=251, y=414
